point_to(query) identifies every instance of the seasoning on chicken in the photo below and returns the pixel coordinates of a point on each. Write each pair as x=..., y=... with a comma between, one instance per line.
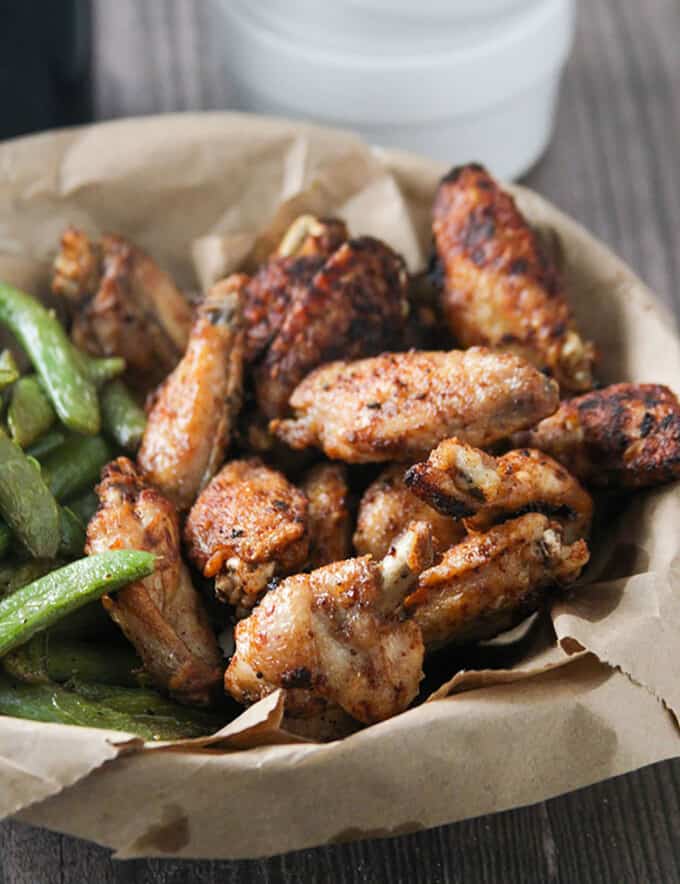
x=162, y=615
x=500, y=286
x=337, y=636
x=248, y=526
x=490, y=582
x=625, y=436
x=328, y=514
x=125, y=305
x=355, y=305
x=466, y=483
x=193, y=413
x=388, y=506
x=398, y=406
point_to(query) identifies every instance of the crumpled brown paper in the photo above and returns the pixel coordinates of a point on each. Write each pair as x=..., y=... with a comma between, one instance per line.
x=205, y=193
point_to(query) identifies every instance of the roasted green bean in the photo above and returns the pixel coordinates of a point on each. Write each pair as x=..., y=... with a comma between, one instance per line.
x=99, y=369
x=39, y=332
x=47, y=443
x=30, y=413
x=14, y=575
x=26, y=502
x=122, y=418
x=75, y=465
x=72, y=530
x=9, y=372
x=42, y=603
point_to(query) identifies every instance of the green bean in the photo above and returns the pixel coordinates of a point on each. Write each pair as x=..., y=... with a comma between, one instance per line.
x=45, y=658
x=72, y=530
x=99, y=369
x=54, y=703
x=42, y=603
x=39, y=332
x=47, y=443
x=26, y=502
x=14, y=575
x=75, y=465
x=9, y=371
x=29, y=414
x=84, y=506
x=123, y=419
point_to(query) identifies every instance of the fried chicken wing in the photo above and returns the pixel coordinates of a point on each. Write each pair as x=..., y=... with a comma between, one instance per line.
x=388, y=506
x=466, y=483
x=354, y=306
x=193, y=413
x=489, y=582
x=162, y=615
x=500, y=286
x=625, y=435
x=125, y=305
x=329, y=519
x=336, y=636
x=248, y=526
x=398, y=406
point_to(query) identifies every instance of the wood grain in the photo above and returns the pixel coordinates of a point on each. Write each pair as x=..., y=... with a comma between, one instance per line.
x=613, y=165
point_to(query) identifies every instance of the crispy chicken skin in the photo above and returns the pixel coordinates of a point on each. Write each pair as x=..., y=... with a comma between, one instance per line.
x=336, y=636
x=125, y=305
x=466, y=483
x=489, y=582
x=328, y=514
x=626, y=436
x=500, y=286
x=193, y=413
x=355, y=305
x=248, y=526
x=398, y=406
x=387, y=507
x=162, y=615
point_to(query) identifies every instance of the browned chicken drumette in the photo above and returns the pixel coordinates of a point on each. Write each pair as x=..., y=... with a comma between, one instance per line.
x=465, y=483
x=387, y=507
x=328, y=514
x=248, y=526
x=122, y=304
x=336, y=636
x=193, y=413
x=398, y=406
x=162, y=615
x=625, y=436
x=355, y=305
x=500, y=285
x=490, y=582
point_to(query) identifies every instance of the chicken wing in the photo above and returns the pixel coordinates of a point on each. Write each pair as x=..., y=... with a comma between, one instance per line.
x=125, y=305
x=356, y=305
x=162, y=615
x=466, y=483
x=329, y=519
x=626, y=436
x=500, y=286
x=490, y=582
x=248, y=526
x=336, y=636
x=398, y=406
x=193, y=413
x=388, y=506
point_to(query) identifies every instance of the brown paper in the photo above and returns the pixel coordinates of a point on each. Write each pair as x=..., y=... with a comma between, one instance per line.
x=205, y=193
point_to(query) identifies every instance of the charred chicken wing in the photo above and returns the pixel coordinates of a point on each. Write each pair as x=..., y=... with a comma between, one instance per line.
x=464, y=482
x=388, y=506
x=329, y=520
x=336, y=636
x=248, y=526
x=193, y=413
x=626, y=435
x=500, y=286
x=354, y=306
x=490, y=582
x=162, y=615
x=398, y=406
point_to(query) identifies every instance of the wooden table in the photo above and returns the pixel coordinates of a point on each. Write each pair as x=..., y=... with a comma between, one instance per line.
x=614, y=164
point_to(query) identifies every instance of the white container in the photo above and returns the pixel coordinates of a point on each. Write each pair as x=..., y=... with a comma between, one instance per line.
x=456, y=80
